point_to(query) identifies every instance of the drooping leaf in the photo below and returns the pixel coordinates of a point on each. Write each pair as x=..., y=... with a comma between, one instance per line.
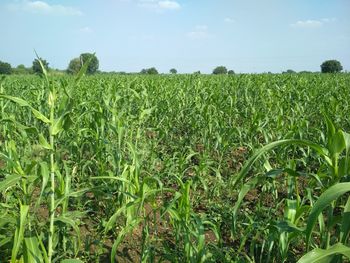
x=43, y=142
x=249, y=164
x=326, y=198
x=24, y=103
x=9, y=181
x=325, y=255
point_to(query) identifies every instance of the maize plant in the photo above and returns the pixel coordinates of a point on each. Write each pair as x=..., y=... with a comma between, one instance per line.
x=178, y=168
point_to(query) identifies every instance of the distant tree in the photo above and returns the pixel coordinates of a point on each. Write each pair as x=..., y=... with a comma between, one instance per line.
x=289, y=71
x=149, y=71
x=331, y=66
x=5, y=68
x=21, y=69
x=94, y=63
x=152, y=71
x=173, y=71
x=305, y=72
x=230, y=72
x=74, y=66
x=197, y=72
x=220, y=70
x=37, y=67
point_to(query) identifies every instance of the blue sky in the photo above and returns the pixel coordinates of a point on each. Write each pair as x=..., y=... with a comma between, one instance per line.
x=189, y=35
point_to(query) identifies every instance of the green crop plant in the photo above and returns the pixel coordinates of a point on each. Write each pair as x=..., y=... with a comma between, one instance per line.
x=296, y=208
x=180, y=168
x=29, y=178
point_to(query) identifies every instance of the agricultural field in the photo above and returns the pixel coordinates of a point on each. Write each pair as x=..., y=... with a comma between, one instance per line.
x=175, y=168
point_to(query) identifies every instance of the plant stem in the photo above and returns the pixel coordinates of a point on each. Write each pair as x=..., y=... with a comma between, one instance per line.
x=52, y=190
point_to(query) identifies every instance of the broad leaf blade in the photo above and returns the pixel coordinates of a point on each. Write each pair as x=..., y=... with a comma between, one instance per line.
x=324, y=200
x=325, y=255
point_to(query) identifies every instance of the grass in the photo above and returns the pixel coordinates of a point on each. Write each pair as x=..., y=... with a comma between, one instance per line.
x=180, y=168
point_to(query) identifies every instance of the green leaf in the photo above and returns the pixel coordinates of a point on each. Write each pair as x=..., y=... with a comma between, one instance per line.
x=21, y=127
x=44, y=171
x=42, y=68
x=249, y=164
x=337, y=143
x=32, y=251
x=23, y=103
x=40, y=116
x=69, y=221
x=57, y=126
x=347, y=142
x=71, y=261
x=287, y=226
x=121, y=236
x=324, y=200
x=19, y=232
x=17, y=100
x=325, y=255
x=110, y=178
x=146, y=113
x=9, y=181
x=242, y=193
x=4, y=241
x=83, y=70
x=113, y=218
x=330, y=129
x=345, y=225
x=68, y=122
x=43, y=142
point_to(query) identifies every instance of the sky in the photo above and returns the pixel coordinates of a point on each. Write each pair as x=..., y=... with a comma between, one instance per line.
x=249, y=36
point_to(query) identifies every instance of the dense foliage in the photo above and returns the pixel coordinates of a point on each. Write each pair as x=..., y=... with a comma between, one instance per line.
x=22, y=70
x=220, y=70
x=74, y=66
x=92, y=60
x=5, y=68
x=37, y=68
x=149, y=71
x=331, y=66
x=242, y=168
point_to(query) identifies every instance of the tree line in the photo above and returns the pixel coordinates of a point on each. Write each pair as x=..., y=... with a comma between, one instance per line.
x=328, y=66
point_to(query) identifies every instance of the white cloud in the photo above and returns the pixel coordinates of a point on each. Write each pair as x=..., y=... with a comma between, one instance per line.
x=199, y=32
x=159, y=5
x=41, y=7
x=328, y=20
x=169, y=5
x=86, y=30
x=229, y=20
x=312, y=23
x=307, y=24
x=201, y=27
